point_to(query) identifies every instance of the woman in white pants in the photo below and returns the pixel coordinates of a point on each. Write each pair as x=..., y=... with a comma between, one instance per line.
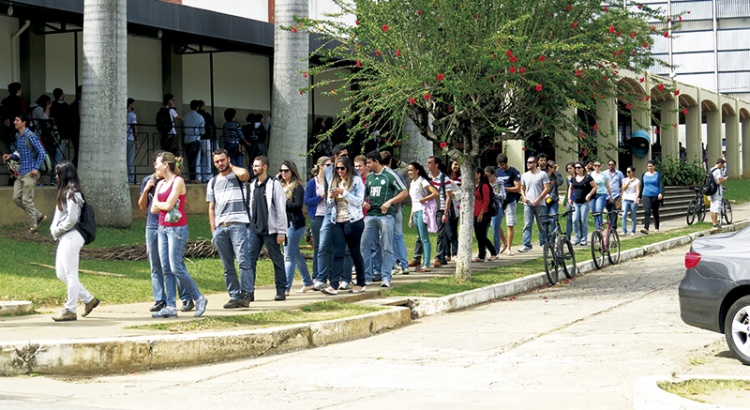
x=64, y=229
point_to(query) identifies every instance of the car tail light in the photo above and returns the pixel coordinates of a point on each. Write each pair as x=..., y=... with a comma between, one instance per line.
x=692, y=259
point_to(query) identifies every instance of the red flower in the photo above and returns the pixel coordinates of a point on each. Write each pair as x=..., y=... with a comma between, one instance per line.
x=398, y=53
x=633, y=34
x=378, y=53
x=542, y=58
x=676, y=92
x=580, y=136
x=385, y=28
x=680, y=18
x=301, y=92
x=640, y=6
x=648, y=97
x=596, y=127
x=523, y=149
x=628, y=106
x=666, y=34
x=412, y=101
x=574, y=24
x=688, y=11
x=523, y=70
x=669, y=19
x=585, y=152
x=443, y=145
x=619, y=34
x=440, y=77
x=304, y=75
x=570, y=7
x=508, y=53
x=579, y=73
x=294, y=29
x=427, y=96
x=660, y=86
x=365, y=125
x=539, y=87
x=614, y=54
x=605, y=9
x=653, y=28
x=476, y=17
x=358, y=63
x=513, y=69
x=685, y=111
x=674, y=125
x=645, y=45
x=356, y=22
x=419, y=12
x=611, y=29
x=513, y=59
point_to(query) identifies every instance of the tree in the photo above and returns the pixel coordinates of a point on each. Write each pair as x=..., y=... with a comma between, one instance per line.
x=103, y=130
x=475, y=72
x=289, y=106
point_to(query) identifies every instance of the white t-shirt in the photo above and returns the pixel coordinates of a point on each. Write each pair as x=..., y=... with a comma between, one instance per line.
x=418, y=190
x=131, y=122
x=631, y=192
x=173, y=114
x=717, y=174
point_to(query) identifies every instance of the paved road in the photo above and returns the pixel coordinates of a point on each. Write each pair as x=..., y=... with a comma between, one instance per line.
x=575, y=346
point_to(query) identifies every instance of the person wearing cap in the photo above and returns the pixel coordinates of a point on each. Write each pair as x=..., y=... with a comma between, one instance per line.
x=716, y=199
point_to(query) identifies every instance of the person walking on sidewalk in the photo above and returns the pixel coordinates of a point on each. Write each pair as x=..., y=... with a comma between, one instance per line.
x=295, y=199
x=482, y=197
x=652, y=187
x=534, y=189
x=68, y=206
x=315, y=195
x=169, y=203
x=228, y=219
x=268, y=222
x=719, y=174
x=511, y=179
x=30, y=156
x=423, y=200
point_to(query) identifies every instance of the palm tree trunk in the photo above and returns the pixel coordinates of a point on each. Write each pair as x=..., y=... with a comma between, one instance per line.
x=289, y=107
x=103, y=165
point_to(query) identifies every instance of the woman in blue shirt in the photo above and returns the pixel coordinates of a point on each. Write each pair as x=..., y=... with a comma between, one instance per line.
x=652, y=189
x=603, y=191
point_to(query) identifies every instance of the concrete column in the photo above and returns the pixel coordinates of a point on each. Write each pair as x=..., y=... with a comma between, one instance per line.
x=33, y=63
x=566, y=144
x=514, y=150
x=415, y=148
x=745, y=148
x=642, y=121
x=713, y=137
x=694, y=134
x=606, y=137
x=733, y=143
x=669, y=137
x=171, y=73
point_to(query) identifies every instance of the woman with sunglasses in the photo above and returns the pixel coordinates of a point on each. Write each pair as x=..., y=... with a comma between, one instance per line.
x=603, y=192
x=421, y=193
x=652, y=186
x=346, y=195
x=295, y=198
x=582, y=189
x=482, y=197
x=570, y=169
x=315, y=194
x=630, y=188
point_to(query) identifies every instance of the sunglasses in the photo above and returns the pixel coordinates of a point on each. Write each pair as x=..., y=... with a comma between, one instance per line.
x=340, y=168
x=579, y=167
x=283, y=170
x=530, y=162
x=597, y=165
x=327, y=165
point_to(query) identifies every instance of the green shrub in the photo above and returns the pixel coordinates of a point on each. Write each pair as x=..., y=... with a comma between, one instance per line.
x=681, y=173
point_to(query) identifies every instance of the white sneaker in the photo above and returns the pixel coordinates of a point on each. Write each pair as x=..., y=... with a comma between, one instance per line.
x=330, y=291
x=632, y=234
x=344, y=285
x=385, y=284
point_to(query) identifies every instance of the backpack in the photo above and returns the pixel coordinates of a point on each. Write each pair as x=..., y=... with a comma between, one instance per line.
x=87, y=223
x=709, y=184
x=493, y=208
x=498, y=191
x=164, y=120
x=46, y=164
x=253, y=137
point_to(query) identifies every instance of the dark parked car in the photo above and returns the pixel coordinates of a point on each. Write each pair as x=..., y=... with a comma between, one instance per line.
x=715, y=293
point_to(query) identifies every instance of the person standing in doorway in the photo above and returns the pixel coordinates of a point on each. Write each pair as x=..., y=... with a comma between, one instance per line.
x=193, y=126
x=132, y=122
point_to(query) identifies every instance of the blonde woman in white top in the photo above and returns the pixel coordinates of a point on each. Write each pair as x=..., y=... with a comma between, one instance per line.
x=630, y=188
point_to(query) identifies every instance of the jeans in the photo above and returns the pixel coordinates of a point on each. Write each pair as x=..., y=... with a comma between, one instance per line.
x=325, y=253
x=293, y=258
x=480, y=231
x=157, y=275
x=631, y=207
x=62, y=148
x=315, y=224
x=23, y=196
x=66, y=267
x=193, y=149
x=274, y=252
x=131, y=161
x=399, y=246
x=231, y=243
x=204, y=161
x=347, y=235
x=552, y=208
x=581, y=221
x=599, y=203
x=650, y=205
x=611, y=206
x=233, y=149
x=378, y=227
x=172, y=241
x=569, y=220
x=452, y=245
x=424, y=237
x=496, y=228
x=531, y=213
x=443, y=237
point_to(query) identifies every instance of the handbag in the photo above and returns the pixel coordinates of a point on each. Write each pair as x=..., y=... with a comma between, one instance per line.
x=429, y=215
x=618, y=204
x=174, y=215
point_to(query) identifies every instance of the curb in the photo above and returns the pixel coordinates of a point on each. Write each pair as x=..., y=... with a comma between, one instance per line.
x=649, y=396
x=132, y=354
x=16, y=308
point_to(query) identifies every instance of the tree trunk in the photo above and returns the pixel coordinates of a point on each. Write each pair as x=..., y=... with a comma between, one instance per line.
x=416, y=147
x=103, y=164
x=469, y=165
x=289, y=107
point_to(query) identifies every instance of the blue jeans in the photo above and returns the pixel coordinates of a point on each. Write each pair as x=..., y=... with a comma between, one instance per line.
x=581, y=222
x=274, y=252
x=378, y=228
x=293, y=258
x=399, y=246
x=62, y=148
x=325, y=253
x=531, y=213
x=552, y=208
x=599, y=203
x=569, y=220
x=231, y=243
x=172, y=241
x=496, y=228
x=424, y=237
x=157, y=275
x=315, y=224
x=131, y=161
x=205, y=162
x=347, y=236
x=628, y=207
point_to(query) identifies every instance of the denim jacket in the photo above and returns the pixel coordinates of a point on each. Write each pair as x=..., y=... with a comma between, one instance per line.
x=355, y=197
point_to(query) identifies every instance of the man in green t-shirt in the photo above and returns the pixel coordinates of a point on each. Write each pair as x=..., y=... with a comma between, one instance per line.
x=383, y=189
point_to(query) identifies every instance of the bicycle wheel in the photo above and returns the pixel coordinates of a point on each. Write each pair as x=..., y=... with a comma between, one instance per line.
x=701, y=211
x=727, y=211
x=613, y=251
x=690, y=216
x=567, y=258
x=550, y=263
x=597, y=249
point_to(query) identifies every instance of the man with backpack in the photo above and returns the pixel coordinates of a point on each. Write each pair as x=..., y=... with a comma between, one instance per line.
x=165, y=125
x=714, y=190
x=534, y=189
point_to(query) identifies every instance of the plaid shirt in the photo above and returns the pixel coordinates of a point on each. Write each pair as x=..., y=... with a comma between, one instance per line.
x=27, y=159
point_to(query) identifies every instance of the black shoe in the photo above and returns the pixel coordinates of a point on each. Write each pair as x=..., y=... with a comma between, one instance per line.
x=377, y=278
x=280, y=297
x=248, y=296
x=158, y=306
x=443, y=262
x=235, y=304
x=188, y=305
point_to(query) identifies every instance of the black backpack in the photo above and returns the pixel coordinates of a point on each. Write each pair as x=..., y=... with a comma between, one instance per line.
x=87, y=223
x=493, y=208
x=164, y=120
x=709, y=184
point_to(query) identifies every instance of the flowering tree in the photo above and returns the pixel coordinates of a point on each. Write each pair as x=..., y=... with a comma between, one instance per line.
x=471, y=73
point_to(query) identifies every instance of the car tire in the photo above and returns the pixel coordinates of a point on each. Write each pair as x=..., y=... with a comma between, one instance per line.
x=737, y=329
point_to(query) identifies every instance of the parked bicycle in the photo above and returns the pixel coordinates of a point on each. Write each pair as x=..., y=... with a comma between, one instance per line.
x=605, y=241
x=696, y=207
x=726, y=212
x=558, y=251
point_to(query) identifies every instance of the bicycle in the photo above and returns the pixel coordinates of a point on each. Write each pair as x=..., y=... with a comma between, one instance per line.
x=696, y=207
x=605, y=241
x=726, y=212
x=558, y=251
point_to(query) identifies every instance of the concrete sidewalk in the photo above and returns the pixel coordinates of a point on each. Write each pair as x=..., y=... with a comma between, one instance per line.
x=25, y=340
